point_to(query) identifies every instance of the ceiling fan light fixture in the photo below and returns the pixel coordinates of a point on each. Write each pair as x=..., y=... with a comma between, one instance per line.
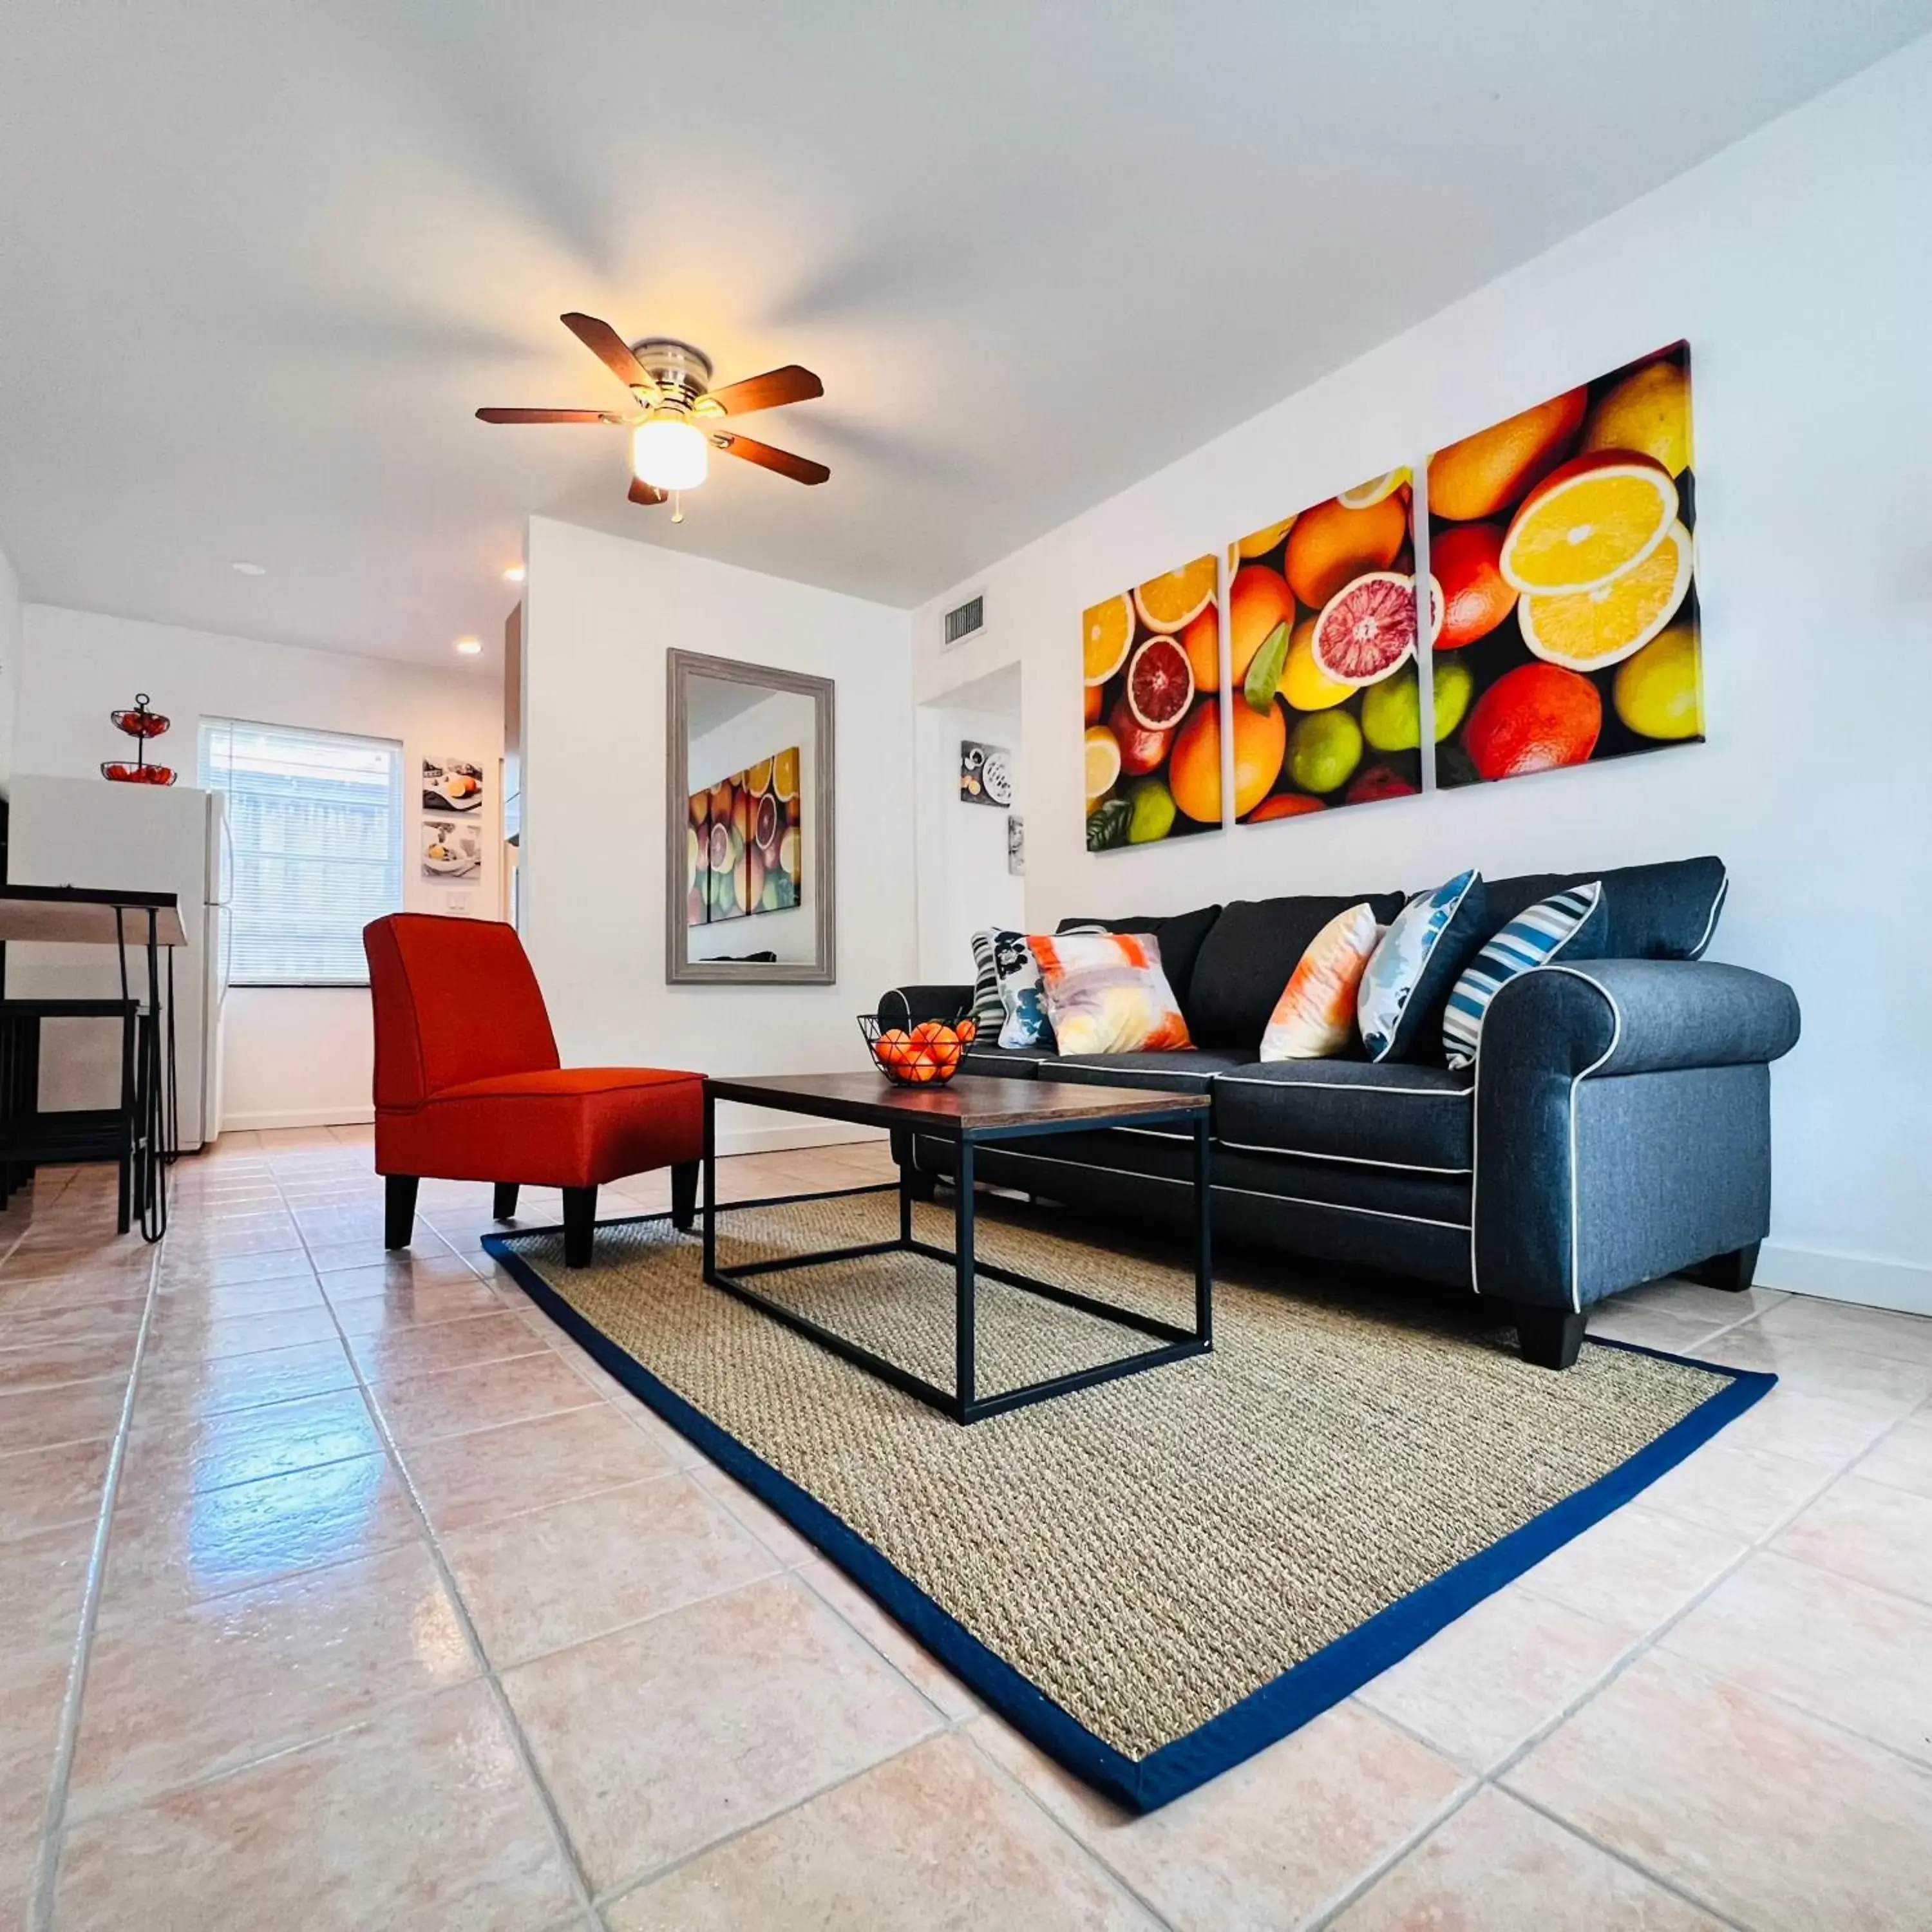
x=670, y=453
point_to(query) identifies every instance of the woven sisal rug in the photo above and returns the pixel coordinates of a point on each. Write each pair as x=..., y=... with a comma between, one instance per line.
x=1155, y=1577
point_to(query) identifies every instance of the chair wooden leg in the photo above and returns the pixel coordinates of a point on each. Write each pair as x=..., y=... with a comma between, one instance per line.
x=579, y=1224
x=684, y=1194
x=503, y=1202
x=399, y=1209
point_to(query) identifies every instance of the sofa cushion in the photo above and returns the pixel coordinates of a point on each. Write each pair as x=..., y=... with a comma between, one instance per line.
x=1666, y=911
x=1248, y=954
x=1186, y=1069
x=1179, y=935
x=1005, y=1062
x=1384, y=1114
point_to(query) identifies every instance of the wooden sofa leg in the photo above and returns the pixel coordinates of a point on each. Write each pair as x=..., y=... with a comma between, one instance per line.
x=580, y=1225
x=1732, y=1272
x=684, y=1194
x=399, y=1209
x=503, y=1201
x=1550, y=1337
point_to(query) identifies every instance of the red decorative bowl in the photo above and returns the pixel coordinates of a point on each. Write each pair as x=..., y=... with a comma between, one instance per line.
x=153, y=775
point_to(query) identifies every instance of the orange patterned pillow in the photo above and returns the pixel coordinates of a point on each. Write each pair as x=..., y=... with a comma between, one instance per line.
x=1315, y=1017
x=1106, y=992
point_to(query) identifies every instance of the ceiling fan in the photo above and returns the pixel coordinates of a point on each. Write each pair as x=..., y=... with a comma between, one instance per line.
x=675, y=425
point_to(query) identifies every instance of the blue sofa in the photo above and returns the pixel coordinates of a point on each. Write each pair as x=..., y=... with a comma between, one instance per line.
x=1614, y=1129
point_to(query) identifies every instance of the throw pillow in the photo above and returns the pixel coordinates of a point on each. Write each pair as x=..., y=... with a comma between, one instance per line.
x=1562, y=922
x=1023, y=1020
x=1315, y=1018
x=989, y=1011
x=1106, y=992
x=1426, y=946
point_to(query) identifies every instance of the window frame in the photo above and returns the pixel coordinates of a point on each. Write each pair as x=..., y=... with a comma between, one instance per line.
x=210, y=724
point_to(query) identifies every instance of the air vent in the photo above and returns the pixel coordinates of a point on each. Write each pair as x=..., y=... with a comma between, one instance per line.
x=965, y=620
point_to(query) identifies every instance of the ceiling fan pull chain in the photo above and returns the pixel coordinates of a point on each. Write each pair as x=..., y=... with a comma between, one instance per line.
x=677, y=506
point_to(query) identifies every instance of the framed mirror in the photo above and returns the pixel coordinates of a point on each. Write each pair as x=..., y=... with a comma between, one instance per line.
x=750, y=898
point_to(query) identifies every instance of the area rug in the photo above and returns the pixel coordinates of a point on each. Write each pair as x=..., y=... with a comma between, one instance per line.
x=1155, y=1577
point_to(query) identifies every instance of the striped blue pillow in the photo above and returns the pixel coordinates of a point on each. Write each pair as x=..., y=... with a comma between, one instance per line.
x=1532, y=939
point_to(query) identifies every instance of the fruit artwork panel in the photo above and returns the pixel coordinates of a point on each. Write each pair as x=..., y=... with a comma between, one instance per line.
x=1151, y=670
x=1561, y=541
x=1321, y=635
x=698, y=860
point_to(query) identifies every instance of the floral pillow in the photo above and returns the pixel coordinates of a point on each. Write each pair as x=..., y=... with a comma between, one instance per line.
x=1315, y=1018
x=1106, y=992
x=1023, y=1016
x=1408, y=982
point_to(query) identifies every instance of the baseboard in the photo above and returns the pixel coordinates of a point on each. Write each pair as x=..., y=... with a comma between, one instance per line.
x=299, y=1117
x=1846, y=1278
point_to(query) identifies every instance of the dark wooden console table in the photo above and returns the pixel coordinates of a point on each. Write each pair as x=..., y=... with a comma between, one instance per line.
x=142, y=1134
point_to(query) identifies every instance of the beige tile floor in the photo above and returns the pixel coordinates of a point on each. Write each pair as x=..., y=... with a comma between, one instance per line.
x=339, y=1590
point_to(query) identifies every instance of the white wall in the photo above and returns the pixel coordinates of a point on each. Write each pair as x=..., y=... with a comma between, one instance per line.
x=963, y=881
x=1796, y=263
x=600, y=614
x=11, y=618
x=295, y=1056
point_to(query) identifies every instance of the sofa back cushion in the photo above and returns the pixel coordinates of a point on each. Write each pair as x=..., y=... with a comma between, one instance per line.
x=1666, y=911
x=1179, y=935
x=1249, y=953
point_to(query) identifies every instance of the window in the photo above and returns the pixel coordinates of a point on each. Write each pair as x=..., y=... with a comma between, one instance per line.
x=316, y=822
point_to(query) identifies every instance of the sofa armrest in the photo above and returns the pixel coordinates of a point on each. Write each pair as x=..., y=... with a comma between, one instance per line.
x=1613, y=1016
x=1622, y=1124
x=907, y=1006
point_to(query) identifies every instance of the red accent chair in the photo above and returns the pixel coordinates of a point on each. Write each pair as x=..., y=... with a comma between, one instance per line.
x=468, y=1087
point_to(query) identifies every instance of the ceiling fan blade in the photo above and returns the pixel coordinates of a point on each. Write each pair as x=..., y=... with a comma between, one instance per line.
x=542, y=415
x=771, y=391
x=642, y=492
x=799, y=468
x=609, y=348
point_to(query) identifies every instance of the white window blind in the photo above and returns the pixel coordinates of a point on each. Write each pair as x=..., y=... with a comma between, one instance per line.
x=317, y=823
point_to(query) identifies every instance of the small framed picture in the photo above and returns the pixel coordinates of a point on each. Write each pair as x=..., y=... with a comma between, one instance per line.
x=1015, y=845
x=985, y=774
x=451, y=785
x=452, y=848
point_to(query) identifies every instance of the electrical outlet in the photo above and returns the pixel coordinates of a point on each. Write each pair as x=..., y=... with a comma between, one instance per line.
x=459, y=902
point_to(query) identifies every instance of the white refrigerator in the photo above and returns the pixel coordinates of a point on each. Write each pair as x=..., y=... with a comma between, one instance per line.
x=88, y=832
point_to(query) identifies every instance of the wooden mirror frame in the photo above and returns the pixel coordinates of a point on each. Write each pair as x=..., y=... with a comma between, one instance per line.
x=820, y=884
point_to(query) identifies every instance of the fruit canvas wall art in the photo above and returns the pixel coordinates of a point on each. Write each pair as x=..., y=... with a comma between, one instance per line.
x=1560, y=542
x=1321, y=631
x=744, y=844
x=1151, y=672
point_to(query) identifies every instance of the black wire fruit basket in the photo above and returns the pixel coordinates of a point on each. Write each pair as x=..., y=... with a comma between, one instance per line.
x=927, y=1054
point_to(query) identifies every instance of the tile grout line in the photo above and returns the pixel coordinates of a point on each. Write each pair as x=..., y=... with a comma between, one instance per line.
x=578, y=1882
x=54, y=1820
x=1492, y=1776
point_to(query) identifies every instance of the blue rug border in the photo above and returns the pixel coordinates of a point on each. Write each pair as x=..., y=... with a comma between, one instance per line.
x=1265, y=1715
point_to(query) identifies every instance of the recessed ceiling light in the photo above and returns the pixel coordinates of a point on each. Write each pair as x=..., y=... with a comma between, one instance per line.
x=251, y=569
x=469, y=647
x=514, y=574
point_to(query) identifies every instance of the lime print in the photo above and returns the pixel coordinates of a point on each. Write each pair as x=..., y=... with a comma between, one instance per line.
x=1151, y=811
x=1323, y=750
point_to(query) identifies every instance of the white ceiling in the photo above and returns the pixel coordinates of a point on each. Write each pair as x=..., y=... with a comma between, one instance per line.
x=260, y=259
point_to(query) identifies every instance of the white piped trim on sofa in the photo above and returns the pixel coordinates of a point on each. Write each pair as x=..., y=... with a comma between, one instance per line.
x=1576, y=1081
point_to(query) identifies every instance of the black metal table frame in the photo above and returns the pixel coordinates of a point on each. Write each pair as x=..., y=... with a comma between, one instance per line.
x=963, y=1403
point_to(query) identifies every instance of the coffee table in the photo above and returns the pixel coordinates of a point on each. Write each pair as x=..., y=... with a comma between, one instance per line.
x=971, y=1112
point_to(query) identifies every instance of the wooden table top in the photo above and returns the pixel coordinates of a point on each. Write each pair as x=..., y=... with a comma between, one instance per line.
x=88, y=916
x=972, y=1103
